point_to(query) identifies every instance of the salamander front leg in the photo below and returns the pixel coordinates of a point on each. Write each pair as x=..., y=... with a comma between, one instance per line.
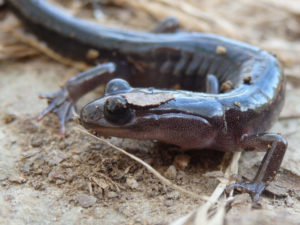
x=62, y=102
x=276, y=146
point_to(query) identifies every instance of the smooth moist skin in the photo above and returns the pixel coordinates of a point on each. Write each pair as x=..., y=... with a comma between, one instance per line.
x=231, y=93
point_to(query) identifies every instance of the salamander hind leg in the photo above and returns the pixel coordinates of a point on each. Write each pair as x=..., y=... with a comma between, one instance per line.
x=62, y=102
x=275, y=146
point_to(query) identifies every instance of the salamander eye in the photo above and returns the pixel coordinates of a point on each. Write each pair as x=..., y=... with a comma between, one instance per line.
x=117, y=111
x=117, y=86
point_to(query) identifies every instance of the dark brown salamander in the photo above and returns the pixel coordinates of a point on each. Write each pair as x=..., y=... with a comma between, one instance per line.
x=232, y=121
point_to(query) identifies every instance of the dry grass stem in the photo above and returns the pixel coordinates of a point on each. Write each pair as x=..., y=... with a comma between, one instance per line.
x=149, y=168
x=201, y=215
x=36, y=44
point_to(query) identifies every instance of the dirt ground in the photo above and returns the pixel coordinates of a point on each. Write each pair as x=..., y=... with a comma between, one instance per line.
x=46, y=179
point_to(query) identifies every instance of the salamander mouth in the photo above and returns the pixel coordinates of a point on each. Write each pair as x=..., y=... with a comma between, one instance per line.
x=109, y=131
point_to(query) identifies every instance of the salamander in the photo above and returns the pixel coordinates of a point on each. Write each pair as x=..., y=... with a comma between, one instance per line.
x=203, y=114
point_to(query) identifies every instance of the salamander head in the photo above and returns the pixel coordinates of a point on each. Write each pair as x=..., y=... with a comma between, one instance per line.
x=142, y=114
x=123, y=110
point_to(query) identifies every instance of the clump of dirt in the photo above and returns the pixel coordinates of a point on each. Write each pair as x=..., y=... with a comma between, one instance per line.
x=77, y=163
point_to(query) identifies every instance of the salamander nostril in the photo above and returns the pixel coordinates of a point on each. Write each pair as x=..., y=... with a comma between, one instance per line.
x=91, y=113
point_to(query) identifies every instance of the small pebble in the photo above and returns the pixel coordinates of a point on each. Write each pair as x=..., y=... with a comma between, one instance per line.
x=248, y=80
x=214, y=174
x=182, y=161
x=220, y=50
x=92, y=54
x=237, y=104
x=112, y=194
x=256, y=205
x=86, y=200
x=17, y=179
x=241, y=199
x=36, y=142
x=8, y=118
x=171, y=172
x=132, y=183
x=289, y=202
x=173, y=195
x=37, y=185
x=226, y=86
x=169, y=203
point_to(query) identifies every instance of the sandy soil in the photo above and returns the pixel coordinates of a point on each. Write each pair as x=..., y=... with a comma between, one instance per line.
x=46, y=179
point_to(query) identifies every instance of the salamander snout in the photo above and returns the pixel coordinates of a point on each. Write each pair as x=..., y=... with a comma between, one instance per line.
x=107, y=111
x=91, y=113
x=110, y=110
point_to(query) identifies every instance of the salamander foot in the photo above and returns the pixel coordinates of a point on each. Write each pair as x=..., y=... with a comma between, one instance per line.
x=254, y=189
x=60, y=104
